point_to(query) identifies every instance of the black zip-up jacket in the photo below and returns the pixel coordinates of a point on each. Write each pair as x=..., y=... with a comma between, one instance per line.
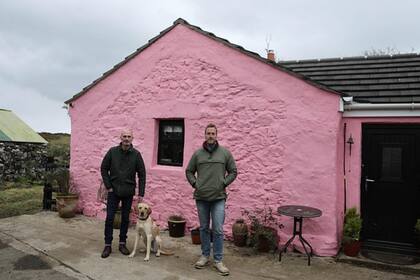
x=119, y=168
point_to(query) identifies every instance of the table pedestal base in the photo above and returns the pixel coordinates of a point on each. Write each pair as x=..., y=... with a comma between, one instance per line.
x=298, y=221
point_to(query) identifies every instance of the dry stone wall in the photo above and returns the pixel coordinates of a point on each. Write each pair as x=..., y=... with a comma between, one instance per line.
x=19, y=160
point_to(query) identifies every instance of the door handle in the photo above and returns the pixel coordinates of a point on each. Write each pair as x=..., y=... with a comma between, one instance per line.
x=367, y=180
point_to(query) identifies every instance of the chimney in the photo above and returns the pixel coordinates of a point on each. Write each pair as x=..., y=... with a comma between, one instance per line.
x=271, y=56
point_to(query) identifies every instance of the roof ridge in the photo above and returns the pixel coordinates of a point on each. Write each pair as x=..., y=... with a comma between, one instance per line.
x=349, y=58
x=180, y=21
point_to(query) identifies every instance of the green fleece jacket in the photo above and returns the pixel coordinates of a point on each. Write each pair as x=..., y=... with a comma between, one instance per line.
x=215, y=171
x=119, y=168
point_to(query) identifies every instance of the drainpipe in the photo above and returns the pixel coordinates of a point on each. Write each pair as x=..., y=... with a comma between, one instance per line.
x=344, y=167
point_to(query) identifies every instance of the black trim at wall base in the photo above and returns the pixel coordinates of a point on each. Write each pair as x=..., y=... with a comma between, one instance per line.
x=379, y=266
x=391, y=248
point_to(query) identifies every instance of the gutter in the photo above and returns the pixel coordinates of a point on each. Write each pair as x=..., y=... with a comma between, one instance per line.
x=354, y=109
x=389, y=106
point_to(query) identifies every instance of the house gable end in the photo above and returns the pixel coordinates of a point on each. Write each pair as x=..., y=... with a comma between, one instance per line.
x=210, y=35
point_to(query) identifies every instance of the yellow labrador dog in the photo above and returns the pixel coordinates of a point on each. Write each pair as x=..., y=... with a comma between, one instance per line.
x=147, y=229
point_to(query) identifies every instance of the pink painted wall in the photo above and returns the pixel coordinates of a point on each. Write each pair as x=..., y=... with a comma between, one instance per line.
x=283, y=132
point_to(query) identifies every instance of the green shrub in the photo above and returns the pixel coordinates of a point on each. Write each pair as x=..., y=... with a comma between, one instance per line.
x=59, y=179
x=417, y=227
x=352, y=225
x=263, y=225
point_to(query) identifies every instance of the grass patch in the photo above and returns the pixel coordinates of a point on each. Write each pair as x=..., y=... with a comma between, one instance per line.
x=19, y=201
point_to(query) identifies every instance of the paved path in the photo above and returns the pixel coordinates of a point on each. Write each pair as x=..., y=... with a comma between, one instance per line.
x=48, y=247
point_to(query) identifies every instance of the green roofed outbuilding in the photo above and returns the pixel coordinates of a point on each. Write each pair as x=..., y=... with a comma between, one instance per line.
x=13, y=129
x=23, y=152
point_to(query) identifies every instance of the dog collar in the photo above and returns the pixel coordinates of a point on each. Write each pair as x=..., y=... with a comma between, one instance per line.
x=144, y=218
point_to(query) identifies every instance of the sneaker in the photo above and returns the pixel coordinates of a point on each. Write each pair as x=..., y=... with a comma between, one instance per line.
x=223, y=270
x=106, y=252
x=123, y=249
x=202, y=262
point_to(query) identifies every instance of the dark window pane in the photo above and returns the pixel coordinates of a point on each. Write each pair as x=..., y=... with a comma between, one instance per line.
x=171, y=142
x=391, y=163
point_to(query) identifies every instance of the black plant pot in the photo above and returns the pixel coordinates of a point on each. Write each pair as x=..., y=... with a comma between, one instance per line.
x=176, y=228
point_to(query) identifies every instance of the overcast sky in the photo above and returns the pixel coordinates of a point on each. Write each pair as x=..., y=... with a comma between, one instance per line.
x=51, y=49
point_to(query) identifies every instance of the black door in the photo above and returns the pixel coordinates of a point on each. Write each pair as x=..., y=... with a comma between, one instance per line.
x=390, y=185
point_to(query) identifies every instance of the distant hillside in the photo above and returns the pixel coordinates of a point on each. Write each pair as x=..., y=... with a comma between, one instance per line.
x=58, y=146
x=56, y=138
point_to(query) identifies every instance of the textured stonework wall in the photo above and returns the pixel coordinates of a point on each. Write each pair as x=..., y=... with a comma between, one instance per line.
x=281, y=131
x=21, y=160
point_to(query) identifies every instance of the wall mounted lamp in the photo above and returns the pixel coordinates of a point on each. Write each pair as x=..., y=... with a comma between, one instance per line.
x=350, y=141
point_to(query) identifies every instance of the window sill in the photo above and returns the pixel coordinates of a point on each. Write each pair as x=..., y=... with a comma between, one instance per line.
x=158, y=167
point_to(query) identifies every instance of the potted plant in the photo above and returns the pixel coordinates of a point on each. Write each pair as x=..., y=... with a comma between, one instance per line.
x=195, y=236
x=263, y=229
x=67, y=199
x=417, y=234
x=176, y=226
x=240, y=232
x=351, y=232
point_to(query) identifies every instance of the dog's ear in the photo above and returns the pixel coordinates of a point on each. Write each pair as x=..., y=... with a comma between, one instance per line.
x=149, y=211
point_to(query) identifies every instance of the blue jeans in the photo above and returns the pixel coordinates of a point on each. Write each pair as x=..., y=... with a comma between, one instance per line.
x=111, y=208
x=215, y=210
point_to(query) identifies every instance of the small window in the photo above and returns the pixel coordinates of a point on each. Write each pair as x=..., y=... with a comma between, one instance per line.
x=171, y=142
x=392, y=163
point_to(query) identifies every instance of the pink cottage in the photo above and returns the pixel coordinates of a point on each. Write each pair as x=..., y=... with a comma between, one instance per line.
x=329, y=134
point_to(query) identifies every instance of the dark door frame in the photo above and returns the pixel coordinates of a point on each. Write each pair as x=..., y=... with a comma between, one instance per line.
x=381, y=245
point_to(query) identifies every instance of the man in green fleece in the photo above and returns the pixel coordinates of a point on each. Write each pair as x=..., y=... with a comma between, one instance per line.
x=215, y=169
x=118, y=170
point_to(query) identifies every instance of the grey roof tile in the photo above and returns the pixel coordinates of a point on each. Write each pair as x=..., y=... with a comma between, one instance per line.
x=377, y=79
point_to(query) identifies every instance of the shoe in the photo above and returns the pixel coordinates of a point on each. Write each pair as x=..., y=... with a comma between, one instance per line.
x=202, y=262
x=106, y=252
x=123, y=249
x=223, y=270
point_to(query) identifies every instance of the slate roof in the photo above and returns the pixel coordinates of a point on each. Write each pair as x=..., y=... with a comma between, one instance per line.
x=13, y=129
x=209, y=35
x=374, y=79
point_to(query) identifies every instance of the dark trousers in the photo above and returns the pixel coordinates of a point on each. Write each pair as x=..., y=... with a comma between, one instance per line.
x=111, y=208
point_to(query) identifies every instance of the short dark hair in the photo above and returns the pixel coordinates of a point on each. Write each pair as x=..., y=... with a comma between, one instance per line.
x=210, y=125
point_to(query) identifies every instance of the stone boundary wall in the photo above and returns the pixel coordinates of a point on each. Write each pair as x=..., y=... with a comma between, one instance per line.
x=22, y=160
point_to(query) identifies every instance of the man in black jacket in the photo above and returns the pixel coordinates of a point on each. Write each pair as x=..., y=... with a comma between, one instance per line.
x=118, y=170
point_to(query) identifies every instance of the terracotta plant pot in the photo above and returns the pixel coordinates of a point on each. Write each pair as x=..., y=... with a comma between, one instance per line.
x=264, y=244
x=266, y=239
x=352, y=248
x=240, y=233
x=195, y=236
x=67, y=204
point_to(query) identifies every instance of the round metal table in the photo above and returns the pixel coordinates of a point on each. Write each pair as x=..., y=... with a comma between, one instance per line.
x=298, y=212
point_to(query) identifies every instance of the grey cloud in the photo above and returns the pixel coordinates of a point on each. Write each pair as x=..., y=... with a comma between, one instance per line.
x=54, y=48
